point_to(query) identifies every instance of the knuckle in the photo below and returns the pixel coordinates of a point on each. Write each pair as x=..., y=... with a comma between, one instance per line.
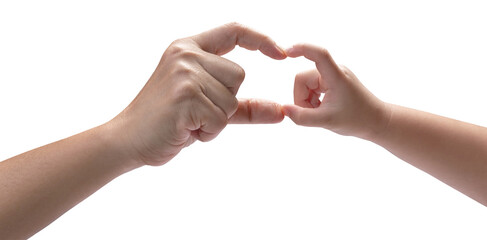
x=233, y=106
x=183, y=48
x=186, y=90
x=183, y=69
x=234, y=25
x=240, y=73
x=189, y=53
x=299, y=77
x=325, y=53
x=301, y=82
x=215, y=121
x=221, y=121
x=237, y=29
x=267, y=39
x=177, y=46
x=177, y=41
x=346, y=71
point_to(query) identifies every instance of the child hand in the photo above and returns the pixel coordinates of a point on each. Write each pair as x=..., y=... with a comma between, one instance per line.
x=347, y=107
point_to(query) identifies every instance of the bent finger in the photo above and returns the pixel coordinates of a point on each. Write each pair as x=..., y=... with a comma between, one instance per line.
x=230, y=74
x=324, y=62
x=307, y=89
x=223, y=39
x=211, y=120
x=219, y=94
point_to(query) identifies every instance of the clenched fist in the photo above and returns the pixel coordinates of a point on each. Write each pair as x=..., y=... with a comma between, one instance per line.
x=191, y=95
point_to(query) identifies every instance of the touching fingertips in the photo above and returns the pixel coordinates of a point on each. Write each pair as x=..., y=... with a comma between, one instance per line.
x=279, y=53
x=273, y=51
x=283, y=114
x=294, y=51
x=286, y=109
x=282, y=51
x=289, y=51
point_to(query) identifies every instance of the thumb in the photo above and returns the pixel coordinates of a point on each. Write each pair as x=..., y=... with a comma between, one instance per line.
x=311, y=117
x=257, y=111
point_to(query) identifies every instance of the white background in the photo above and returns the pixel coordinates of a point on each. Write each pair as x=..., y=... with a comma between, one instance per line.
x=66, y=67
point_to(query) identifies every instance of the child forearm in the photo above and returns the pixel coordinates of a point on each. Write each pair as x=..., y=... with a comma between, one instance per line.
x=454, y=152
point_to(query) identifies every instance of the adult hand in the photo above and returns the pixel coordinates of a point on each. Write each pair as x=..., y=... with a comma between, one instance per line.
x=191, y=95
x=347, y=107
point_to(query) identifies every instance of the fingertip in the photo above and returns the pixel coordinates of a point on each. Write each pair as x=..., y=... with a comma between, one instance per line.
x=289, y=51
x=282, y=52
x=281, y=115
x=275, y=52
x=287, y=110
x=280, y=56
x=292, y=52
x=274, y=113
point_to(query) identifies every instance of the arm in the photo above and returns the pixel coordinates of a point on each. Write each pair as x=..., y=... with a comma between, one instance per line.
x=455, y=152
x=40, y=185
x=190, y=96
x=452, y=151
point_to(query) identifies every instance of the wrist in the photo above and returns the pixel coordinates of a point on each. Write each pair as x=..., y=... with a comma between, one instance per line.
x=113, y=140
x=379, y=122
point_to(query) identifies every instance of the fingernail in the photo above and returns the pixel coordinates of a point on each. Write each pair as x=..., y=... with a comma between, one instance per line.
x=281, y=50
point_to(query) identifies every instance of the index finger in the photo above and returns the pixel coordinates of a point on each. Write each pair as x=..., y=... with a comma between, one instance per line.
x=223, y=39
x=324, y=62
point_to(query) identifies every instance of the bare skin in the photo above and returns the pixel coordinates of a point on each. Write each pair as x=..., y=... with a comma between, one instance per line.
x=189, y=97
x=454, y=152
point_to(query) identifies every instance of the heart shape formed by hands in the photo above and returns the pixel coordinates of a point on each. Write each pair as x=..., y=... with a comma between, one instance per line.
x=347, y=107
x=193, y=93
x=308, y=87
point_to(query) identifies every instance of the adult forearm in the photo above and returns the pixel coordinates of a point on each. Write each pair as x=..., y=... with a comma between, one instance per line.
x=454, y=152
x=190, y=96
x=40, y=185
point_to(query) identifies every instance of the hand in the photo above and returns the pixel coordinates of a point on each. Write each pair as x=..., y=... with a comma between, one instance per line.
x=191, y=95
x=347, y=107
